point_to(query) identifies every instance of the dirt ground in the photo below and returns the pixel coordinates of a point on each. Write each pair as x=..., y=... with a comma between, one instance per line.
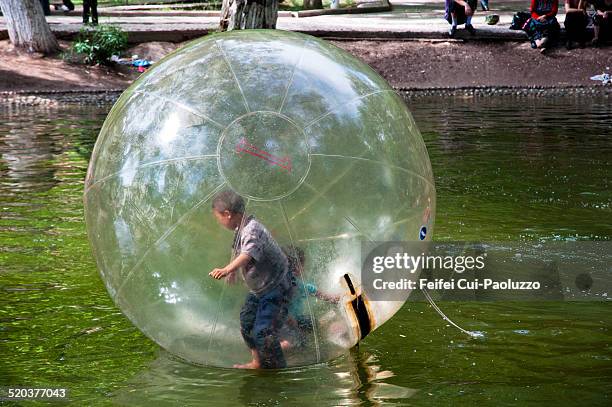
x=406, y=64
x=457, y=64
x=20, y=71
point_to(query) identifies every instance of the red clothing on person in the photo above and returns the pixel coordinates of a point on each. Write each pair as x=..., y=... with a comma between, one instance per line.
x=546, y=8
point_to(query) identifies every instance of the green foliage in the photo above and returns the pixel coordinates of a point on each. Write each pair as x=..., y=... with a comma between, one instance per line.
x=99, y=43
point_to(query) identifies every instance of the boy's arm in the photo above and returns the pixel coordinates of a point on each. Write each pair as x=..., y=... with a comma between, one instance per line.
x=312, y=290
x=241, y=260
x=327, y=297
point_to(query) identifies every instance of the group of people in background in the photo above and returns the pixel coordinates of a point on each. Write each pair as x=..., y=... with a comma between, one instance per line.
x=545, y=27
x=577, y=19
x=90, y=7
x=541, y=24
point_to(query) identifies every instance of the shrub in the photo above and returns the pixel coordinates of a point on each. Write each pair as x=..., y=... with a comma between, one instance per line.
x=98, y=44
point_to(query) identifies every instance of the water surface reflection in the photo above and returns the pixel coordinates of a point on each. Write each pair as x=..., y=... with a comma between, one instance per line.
x=355, y=379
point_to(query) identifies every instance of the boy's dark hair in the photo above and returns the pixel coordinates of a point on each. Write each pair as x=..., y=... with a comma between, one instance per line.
x=228, y=200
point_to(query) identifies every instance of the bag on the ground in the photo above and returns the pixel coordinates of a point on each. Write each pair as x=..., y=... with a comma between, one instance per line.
x=519, y=20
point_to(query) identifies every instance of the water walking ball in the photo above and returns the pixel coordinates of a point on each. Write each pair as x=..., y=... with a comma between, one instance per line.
x=325, y=155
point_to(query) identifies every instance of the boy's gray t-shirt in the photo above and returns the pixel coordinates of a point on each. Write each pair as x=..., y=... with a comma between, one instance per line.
x=268, y=264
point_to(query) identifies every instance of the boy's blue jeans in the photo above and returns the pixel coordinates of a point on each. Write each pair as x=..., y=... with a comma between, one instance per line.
x=261, y=318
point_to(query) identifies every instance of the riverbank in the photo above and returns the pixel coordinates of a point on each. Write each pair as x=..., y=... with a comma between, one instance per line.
x=417, y=65
x=108, y=97
x=413, y=19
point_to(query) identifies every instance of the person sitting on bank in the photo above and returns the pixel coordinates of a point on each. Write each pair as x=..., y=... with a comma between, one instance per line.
x=460, y=12
x=602, y=21
x=544, y=25
x=576, y=21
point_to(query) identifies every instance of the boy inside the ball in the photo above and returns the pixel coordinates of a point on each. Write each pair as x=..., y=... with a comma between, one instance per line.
x=265, y=271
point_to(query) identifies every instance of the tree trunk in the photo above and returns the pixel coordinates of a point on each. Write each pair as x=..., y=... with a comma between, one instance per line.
x=27, y=27
x=246, y=14
x=313, y=4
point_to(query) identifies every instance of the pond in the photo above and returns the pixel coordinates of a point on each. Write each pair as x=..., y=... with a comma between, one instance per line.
x=506, y=169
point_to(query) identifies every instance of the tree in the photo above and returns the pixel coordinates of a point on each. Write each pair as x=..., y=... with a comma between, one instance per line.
x=313, y=4
x=27, y=27
x=245, y=14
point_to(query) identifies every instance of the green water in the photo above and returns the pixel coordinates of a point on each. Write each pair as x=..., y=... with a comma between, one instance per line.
x=505, y=168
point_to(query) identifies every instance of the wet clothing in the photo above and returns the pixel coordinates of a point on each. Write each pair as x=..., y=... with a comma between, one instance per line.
x=268, y=264
x=451, y=7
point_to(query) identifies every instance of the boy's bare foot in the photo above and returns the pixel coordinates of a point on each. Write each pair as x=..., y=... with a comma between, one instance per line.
x=254, y=364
